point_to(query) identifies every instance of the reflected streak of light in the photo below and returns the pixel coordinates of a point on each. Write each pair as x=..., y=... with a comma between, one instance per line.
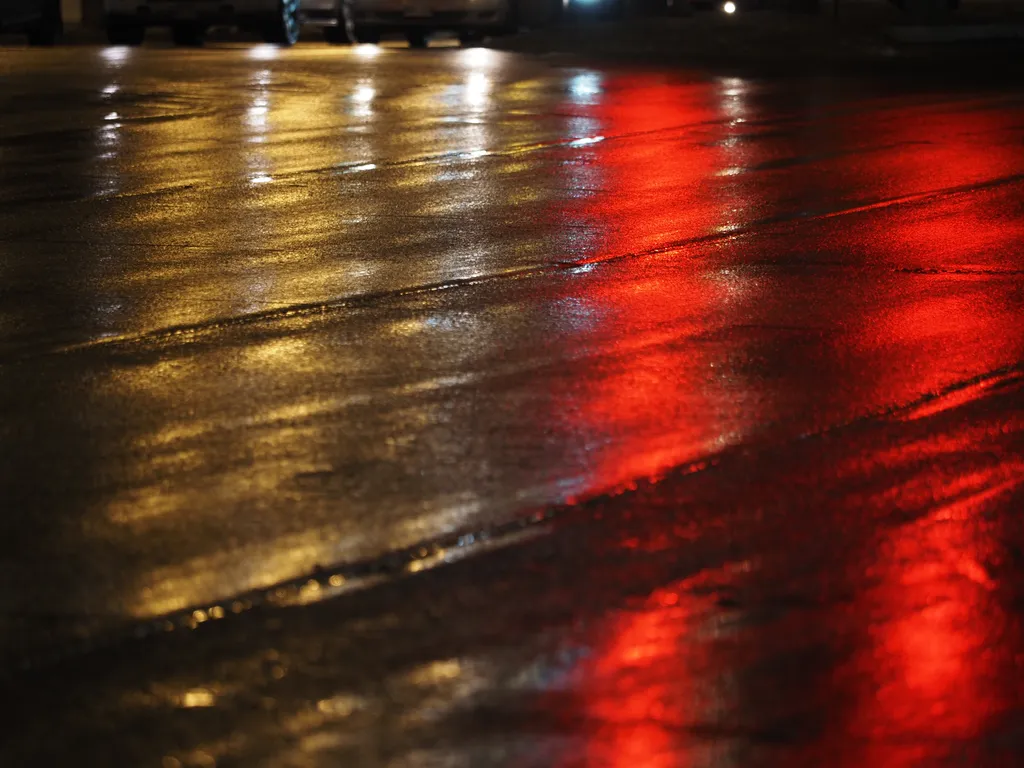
x=116, y=55
x=112, y=116
x=256, y=117
x=197, y=697
x=109, y=135
x=587, y=141
x=368, y=51
x=623, y=402
x=361, y=167
x=260, y=178
x=364, y=94
x=363, y=97
x=585, y=85
x=478, y=89
x=479, y=57
x=263, y=52
x=639, y=685
x=110, y=90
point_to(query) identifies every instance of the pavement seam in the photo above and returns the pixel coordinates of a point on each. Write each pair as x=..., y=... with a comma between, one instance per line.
x=189, y=332
x=324, y=583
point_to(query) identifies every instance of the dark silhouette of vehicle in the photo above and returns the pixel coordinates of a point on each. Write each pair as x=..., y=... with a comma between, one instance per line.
x=277, y=21
x=39, y=20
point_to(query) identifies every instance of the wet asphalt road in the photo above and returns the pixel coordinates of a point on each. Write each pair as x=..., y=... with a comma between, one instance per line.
x=456, y=408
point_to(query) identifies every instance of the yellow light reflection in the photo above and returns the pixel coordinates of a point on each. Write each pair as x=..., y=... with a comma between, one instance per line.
x=198, y=697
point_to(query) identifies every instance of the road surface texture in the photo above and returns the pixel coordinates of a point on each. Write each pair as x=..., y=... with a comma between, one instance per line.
x=375, y=407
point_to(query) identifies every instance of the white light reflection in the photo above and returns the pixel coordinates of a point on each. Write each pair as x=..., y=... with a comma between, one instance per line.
x=362, y=167
x=112, y=116
x=367, y=50
x=584, y=86
x=108, y=139
x=474, y=153
x=362, y=98
x=116, y=55
x=733, y=98
x=585, y=142
x=110, y=90
x=257, y=120
x=477, y=90
x=478, y=57
x=263, y=52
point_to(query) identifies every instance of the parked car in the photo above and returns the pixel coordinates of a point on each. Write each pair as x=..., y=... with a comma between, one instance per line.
x=471, y=20
x=278, y=21
x=39, y=20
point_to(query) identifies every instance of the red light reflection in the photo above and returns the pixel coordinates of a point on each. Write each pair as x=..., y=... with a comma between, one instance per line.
x=936, y=664
x=651, y=406
x=639, y=692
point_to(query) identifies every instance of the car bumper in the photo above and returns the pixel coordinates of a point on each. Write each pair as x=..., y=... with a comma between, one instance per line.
x=159, y=12
x=409, y=15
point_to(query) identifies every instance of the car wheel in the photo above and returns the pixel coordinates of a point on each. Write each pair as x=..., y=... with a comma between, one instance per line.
x=125, y=33
x=342, y=32
x=416, y=39
x=188, y=35
x=284, y=26
x=49, y=28
x=366, y=36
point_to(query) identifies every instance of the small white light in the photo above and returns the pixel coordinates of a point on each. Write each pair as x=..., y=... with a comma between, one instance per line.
x=261, y=178
x=729, y=7
x=367, y=50
x=112, y=116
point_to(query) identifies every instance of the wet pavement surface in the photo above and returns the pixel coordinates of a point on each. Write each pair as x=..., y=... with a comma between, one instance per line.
x=388, y=408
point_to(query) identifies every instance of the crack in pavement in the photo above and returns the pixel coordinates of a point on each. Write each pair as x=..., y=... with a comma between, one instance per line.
x=186, y=333
x=329, y=582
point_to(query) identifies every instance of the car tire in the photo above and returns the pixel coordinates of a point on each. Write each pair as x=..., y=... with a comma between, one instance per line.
x=366, y=36
x=125, y=33
x=416, y=39
x=188, y=35
x=49, y=28
x=284, y=26
x=343, y=33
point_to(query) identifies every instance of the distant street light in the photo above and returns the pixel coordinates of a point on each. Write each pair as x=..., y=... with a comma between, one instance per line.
x=729, y=7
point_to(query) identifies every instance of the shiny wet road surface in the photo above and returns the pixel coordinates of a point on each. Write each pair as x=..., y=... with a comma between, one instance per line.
x=455, y=408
